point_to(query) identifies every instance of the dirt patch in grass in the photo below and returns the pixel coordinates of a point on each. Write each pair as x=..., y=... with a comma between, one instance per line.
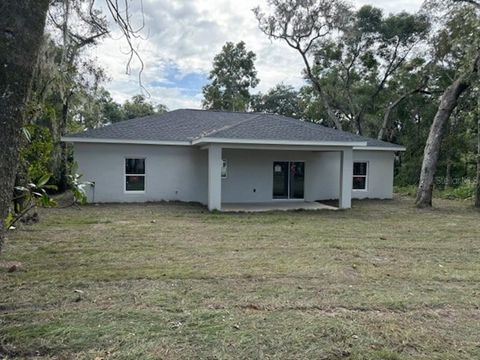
x=383, y=280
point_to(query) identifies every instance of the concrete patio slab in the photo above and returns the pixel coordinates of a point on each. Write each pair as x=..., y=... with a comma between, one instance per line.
x=275, y=206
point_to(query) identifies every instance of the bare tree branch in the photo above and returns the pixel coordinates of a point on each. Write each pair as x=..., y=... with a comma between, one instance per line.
x=301, y=24
x=394, y=104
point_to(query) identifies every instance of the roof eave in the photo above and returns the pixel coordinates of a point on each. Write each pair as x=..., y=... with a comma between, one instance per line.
x=207, y=140
x=381, y=148
x=73, y=139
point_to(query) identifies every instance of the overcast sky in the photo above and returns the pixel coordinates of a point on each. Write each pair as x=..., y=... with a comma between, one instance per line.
x=183, y=36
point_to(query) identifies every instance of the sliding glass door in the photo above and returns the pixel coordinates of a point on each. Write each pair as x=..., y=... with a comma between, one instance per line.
x=280, y=180
x=297, y=179
x=288, y=179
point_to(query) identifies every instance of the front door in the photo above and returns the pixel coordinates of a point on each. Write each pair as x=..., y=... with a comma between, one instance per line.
x=288, y=179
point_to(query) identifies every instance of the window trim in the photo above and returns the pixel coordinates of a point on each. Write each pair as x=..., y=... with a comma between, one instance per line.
x=366, y=176
x=125, y=191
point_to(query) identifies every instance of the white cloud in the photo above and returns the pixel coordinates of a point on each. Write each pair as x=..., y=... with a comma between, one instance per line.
x=190, y=33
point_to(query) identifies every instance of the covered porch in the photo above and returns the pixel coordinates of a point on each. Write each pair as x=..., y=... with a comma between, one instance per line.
x=263, y=177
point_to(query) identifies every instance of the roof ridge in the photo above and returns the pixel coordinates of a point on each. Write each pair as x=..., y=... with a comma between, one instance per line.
x=227, y=111
x=226, y=127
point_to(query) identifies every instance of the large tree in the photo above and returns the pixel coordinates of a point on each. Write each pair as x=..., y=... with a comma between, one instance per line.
x=21, y=30
x=22, y=27
x=459, y=43
x=355, y=68
x=232, y=76
x=73, y=69
x=302, y=24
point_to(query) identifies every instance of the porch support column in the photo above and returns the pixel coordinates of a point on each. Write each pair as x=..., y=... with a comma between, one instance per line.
x=214, y=177
x=346, y=175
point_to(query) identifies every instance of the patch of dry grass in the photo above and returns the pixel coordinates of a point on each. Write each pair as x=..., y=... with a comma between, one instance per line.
x=380, y=281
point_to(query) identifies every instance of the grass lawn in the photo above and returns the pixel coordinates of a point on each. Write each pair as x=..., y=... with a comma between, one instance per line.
x=172, y=281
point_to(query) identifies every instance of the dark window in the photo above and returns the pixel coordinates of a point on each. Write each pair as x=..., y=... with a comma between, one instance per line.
x=360, y=168
x=134, y=174
x=359, y=183
x=360, y=173
x=135, y=183
x=135, y=166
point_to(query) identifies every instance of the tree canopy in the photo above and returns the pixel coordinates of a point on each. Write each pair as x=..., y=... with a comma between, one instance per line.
x=281, y=99
x=231, y=78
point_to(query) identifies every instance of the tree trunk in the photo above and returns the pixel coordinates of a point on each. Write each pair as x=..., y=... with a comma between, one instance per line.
x=382, y=134
x=63, y=161
x=316, y=84
x=358, y=122
x=477, y=188
x=330, y=112
x=21, y=31
x=21, y=179
x=448, y=102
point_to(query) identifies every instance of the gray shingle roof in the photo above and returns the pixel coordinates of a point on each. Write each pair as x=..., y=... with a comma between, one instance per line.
x=187, y=125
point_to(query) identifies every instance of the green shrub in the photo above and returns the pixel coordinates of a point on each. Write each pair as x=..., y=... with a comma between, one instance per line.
x=37, y=153
x=462, y=192
x=408, y=190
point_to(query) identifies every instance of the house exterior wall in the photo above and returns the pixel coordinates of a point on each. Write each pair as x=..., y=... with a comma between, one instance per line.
x=380, y=174
x=250, y=178
x=379, y=178
x=172, y=172
x=181, y=173
x=250, y=174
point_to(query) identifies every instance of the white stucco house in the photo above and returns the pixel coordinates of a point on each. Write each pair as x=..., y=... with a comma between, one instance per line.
x=218, y=158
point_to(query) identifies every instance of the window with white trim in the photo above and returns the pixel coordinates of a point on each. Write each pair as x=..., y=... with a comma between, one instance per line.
x=134, y=174
x=360, y=175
